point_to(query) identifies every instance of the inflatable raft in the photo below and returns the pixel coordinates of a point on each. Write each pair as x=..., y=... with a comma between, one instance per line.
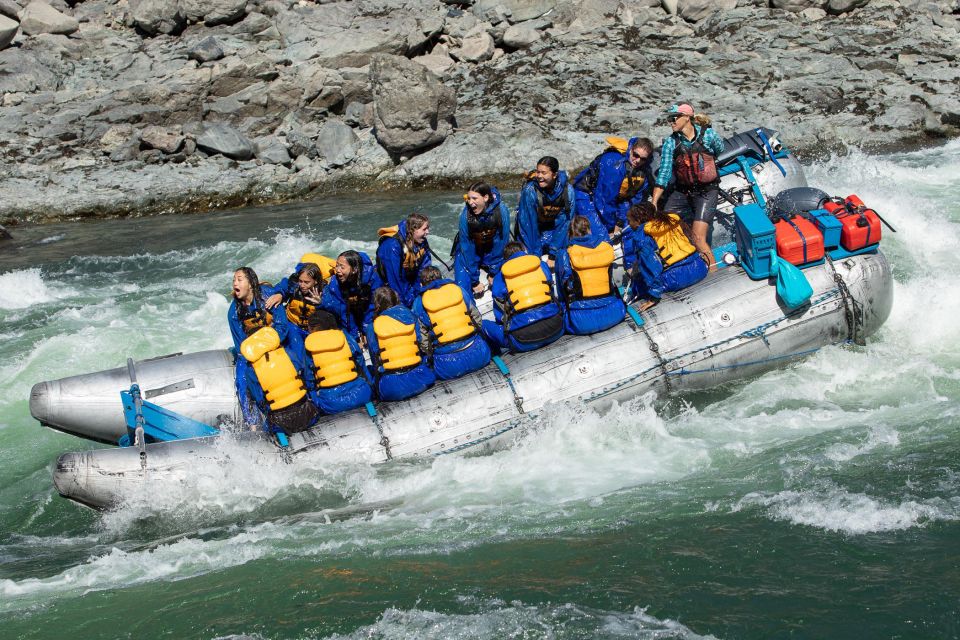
x=727, y=327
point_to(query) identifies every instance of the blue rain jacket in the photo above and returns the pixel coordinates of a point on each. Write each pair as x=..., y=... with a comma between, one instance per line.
x=549, y=240
x=349, y=395
x=467, y=262
x=334, y=299
x=390, y=265
x=604, y=200
x=458, y=358
x=405, y=384
x=583, y=317
x=499, y=332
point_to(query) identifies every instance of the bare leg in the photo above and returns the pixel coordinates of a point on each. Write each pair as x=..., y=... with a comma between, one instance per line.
x=699, y=230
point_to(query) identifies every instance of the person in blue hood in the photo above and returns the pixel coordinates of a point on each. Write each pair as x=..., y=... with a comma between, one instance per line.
x=527, y=313
x=484, y=232
x=341, y=378
x=614, y=181
x=403, y=254
x=658, y=254
x=349, y=295
x=393, y=339
x=246, y=316
x=585, y=281
x=451, y=327
x=547, y=204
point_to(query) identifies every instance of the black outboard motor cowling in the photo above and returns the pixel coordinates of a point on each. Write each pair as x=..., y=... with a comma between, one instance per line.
x=747, y=143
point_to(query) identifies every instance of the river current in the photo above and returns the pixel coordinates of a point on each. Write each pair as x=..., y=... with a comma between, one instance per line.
x=819, y=500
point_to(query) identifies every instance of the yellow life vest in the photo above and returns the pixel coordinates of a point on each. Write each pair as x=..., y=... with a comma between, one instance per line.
x=631, y=184
x=619, y=144
x=299, y=311
x=398, y=343
x=592, y=269
x=411, y=258
x=275, y=372
x=254, y=320
x=526, y=285
x=672, y=243
x=332, y=358
x=448, y=313
x=327, y=265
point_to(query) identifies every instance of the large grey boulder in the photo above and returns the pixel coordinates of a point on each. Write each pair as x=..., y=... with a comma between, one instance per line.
x=797, y=6
x=213, y=12
x=337, y=143
x=39, y=17
x=206, y=50
x=8, y=31
x=225, y=140
x=476, y=46
x=696, y=10
x=837, y=7
x=271, y=151
x=167, y=140
x=10, y=9
x=157, y=16
x=514, y=10
x=520, y=36
x=412, y=109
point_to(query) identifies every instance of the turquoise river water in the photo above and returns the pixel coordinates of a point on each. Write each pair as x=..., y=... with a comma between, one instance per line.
x=821, y=500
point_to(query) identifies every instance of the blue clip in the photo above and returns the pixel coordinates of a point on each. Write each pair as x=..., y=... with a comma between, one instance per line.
x=282, y=439
x=371, y=410
x=501, y=365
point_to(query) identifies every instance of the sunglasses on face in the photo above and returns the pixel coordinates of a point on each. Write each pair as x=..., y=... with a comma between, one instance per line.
x=676, y=117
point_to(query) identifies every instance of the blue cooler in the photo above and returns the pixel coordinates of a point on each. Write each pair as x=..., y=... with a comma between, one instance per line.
x=829, y=226
x=756, y=240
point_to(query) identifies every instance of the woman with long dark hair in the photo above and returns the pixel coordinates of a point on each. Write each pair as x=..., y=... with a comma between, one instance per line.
x=402, y=255
x=349, y=295
x=547, y=204
x=484, y=232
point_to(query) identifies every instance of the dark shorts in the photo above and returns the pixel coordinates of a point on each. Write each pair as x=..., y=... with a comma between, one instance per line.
x=695, y=205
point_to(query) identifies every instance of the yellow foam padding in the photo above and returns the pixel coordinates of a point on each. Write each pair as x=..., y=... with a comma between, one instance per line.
x=448, y=313
x=275, y=372
x=620, y=144
x=631, y=184
x=592, y=267
x=331, y=357
x=672, y=243
x=388, y=232
x=263, y=341
x=525, y=282
x=299, y=311
x=327, y=265
x=398, y=343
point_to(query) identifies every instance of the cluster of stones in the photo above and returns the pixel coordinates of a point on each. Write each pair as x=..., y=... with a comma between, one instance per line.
x=113, y=107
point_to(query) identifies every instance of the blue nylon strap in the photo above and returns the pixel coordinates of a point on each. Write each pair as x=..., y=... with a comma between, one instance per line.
x=282, y=439
x=803, y=238
x=371, y=410
x=773, y=157
x=501, y=365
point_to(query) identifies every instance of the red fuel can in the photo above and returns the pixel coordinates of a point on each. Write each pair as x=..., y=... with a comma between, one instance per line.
x=799, y=241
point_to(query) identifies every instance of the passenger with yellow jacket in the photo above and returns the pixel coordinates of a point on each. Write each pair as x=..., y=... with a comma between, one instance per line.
x=451, y=327
x=527, y=313
x=340, y=375
x=393, y=338
x=584, y=269
x=658, y=254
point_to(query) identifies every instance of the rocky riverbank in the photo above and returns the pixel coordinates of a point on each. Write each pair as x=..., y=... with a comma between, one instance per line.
x=132, y=107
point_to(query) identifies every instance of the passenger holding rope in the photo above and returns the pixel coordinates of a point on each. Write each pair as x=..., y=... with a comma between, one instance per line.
x=689, y=155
